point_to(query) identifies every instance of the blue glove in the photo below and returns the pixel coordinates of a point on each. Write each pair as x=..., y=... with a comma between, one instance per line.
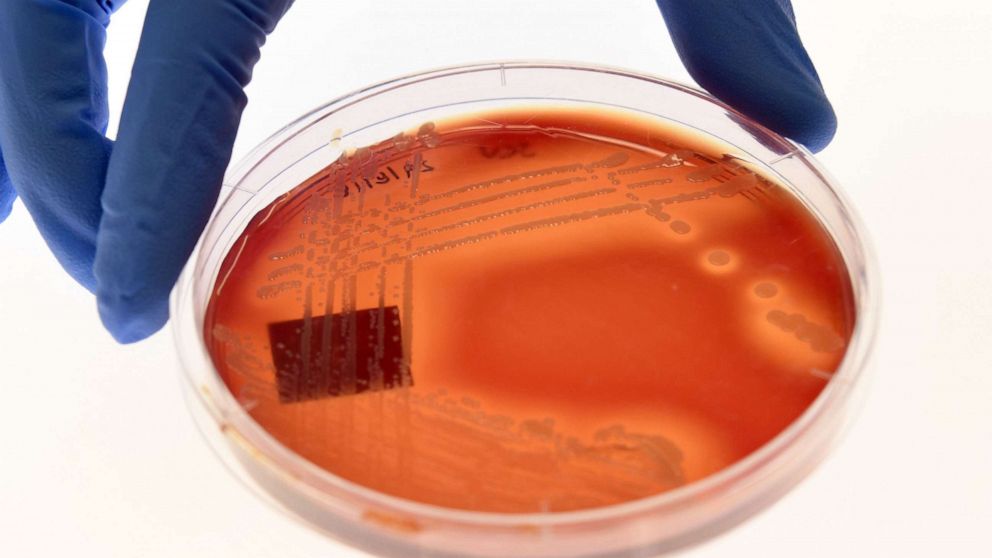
x=748, y=54
x=122, y=217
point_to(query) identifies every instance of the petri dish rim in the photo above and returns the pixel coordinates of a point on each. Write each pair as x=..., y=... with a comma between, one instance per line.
x=229, y=412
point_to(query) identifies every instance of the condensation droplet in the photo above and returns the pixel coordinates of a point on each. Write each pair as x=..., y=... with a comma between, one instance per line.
x=765, y=290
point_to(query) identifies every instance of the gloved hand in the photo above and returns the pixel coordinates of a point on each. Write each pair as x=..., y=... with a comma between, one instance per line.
x=122, y=217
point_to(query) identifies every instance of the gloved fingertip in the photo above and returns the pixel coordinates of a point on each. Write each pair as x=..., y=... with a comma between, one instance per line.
x=7, y=193
x=792, y=103
x=130, y=319
x=799, y=111
x=815, y=127
x=6, y=205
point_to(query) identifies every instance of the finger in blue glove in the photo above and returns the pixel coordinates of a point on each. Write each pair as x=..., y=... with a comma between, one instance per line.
x=53, y=115
x=749, y=55
x=180, y=118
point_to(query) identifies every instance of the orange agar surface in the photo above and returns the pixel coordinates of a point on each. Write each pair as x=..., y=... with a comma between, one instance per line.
x=531, y=309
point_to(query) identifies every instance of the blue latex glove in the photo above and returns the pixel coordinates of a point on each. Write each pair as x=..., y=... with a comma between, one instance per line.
x=122, y=217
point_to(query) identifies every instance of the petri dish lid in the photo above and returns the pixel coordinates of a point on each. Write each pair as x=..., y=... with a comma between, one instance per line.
x=396, y=526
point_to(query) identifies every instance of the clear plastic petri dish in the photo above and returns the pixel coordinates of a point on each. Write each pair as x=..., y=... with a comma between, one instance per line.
x=592, y=503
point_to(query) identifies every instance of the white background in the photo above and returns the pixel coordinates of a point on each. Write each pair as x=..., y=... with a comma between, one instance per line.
x=99, y=457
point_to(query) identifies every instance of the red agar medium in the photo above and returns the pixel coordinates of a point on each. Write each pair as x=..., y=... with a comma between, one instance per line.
x=531, y=310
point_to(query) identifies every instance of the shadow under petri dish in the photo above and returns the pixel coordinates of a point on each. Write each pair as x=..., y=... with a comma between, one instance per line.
x=531, y=309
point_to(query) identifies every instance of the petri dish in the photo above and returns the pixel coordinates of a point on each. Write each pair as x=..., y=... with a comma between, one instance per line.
x=529, y=309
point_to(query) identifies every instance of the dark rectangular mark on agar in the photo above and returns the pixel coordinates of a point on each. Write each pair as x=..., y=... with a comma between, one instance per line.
x=366, y=354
